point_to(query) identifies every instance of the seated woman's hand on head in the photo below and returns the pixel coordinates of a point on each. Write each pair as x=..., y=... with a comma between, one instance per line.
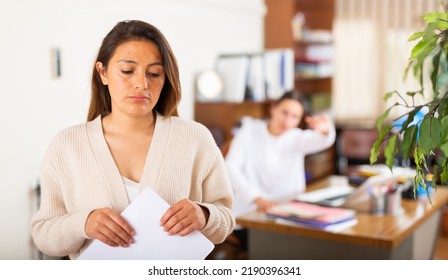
x=184, y=217
x=320, y=123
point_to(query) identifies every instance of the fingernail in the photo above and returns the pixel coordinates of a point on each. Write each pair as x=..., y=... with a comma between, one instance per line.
x=131, y=241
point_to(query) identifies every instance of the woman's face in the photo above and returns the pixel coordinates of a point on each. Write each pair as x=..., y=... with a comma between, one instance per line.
x=135, y=77
x=285, y=115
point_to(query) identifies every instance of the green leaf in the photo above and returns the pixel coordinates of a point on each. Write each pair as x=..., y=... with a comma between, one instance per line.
x=424, y=139
x=380, y=120
x=430, y=131
x=409, y=139
x=416, y=35
x=409, y=66
x=435, y=71
x=423, y=48
x=444, y=45
x=413, y=93
x=442, y=24
x=388, y=95
x=444, y=149
x=391, y=150
x=411, y=116
x=436, y=132
x=375, y=150
x=444, y=171
x=443, y=109
x=444, y=129
x=435, y=16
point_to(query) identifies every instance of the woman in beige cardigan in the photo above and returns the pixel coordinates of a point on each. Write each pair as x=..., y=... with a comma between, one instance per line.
x=133, y=138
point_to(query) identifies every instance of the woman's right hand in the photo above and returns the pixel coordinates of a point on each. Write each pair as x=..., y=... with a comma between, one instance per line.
x=109, y=227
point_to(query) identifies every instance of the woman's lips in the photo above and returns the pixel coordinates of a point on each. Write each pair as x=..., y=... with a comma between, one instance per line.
x=139, y=98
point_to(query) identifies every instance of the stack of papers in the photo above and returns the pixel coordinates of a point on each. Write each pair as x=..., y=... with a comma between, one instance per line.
x=312, y=215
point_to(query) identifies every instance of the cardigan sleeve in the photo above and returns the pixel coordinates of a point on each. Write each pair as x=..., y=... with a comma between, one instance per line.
x=217, y=195
x=55, y=231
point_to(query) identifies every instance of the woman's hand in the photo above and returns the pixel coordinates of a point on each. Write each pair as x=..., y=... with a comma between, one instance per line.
x=320, y=123
x=109, y=227
x=184, y=217
x=264, y=204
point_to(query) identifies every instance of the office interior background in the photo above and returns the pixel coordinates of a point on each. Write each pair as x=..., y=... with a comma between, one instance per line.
x=36, y=103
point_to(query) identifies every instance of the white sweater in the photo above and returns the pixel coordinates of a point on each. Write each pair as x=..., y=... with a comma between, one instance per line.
x=79, y=175
x=261, y=164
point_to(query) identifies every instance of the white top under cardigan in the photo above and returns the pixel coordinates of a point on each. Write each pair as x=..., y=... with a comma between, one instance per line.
x=79, y=175
x=261, y=164
x=133, y=189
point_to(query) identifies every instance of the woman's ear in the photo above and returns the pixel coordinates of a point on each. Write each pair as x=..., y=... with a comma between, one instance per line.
x=102, y=72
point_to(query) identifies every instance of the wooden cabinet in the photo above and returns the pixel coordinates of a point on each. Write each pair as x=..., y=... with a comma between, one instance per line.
x=353, y=147
x=223, y=117
x=318, y=14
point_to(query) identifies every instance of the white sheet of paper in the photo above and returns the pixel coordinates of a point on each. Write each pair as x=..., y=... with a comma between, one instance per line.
x=151, y=241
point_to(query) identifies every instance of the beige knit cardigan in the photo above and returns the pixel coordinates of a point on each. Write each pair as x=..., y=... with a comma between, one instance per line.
x=79, y=175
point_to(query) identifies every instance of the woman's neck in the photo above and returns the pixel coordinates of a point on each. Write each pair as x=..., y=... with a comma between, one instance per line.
x=125, y=125
x=273, y=130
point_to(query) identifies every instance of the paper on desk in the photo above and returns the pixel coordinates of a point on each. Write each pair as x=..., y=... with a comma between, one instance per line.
x=151, y=241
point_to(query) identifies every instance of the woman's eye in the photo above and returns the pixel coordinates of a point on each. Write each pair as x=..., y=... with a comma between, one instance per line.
x=126, y=72
x=153, y=75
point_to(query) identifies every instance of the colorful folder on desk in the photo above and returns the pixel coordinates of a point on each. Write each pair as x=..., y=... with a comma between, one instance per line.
x=313, y=215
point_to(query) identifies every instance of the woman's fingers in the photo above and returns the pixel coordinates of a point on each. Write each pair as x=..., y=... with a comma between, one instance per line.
x=183, y=218
x=264, y=204
x=109, y=227
x=319, y=123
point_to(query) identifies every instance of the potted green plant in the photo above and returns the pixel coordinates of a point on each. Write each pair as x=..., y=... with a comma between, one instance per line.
x=428, y=137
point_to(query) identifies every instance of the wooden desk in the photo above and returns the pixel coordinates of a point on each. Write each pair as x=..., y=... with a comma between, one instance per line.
x=411, y=235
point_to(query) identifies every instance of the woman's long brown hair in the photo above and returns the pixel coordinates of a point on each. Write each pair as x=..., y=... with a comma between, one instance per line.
x=100, y=103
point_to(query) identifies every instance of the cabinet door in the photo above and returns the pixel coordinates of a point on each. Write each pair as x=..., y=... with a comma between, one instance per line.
x=320, y=165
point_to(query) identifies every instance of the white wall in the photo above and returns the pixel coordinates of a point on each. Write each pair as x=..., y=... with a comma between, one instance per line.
x=34, y=106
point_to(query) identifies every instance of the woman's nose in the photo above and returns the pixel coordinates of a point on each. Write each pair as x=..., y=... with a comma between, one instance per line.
x=141, y=81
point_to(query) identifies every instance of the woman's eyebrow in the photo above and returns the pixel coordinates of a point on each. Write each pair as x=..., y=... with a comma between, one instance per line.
x=134, y=62
x=127, y=61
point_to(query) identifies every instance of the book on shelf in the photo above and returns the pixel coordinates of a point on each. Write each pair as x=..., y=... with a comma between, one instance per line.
x=311, y=215
x=313, y=68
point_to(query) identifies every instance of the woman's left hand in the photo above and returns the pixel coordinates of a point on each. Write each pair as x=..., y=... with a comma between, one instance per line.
x=184, y=217
x=320, y=123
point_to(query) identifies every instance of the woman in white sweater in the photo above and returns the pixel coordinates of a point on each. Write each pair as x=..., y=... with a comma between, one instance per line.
x=266, y=158
x=132, y=139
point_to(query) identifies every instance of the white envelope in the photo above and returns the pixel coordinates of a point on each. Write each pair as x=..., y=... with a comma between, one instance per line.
x=151, y=241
